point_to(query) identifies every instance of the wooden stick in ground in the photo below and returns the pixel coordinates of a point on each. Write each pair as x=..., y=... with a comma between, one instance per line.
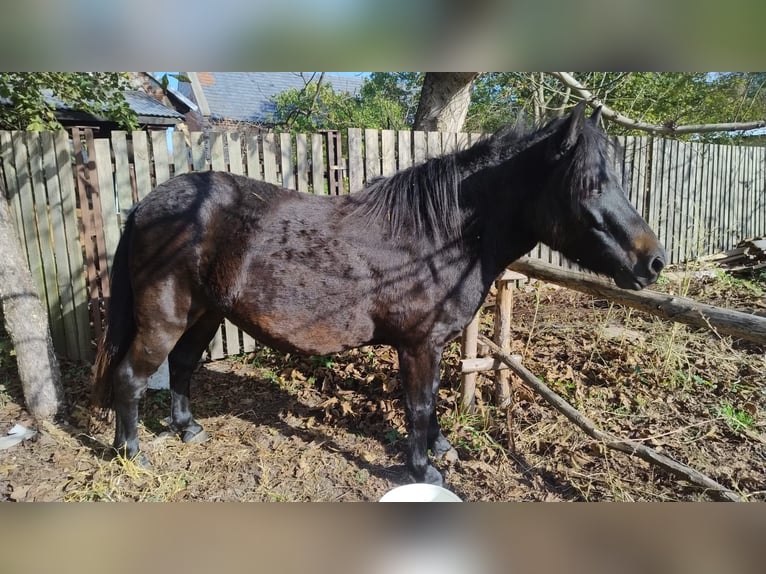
x=680, y=309
x=627, y=446
x=470, y=349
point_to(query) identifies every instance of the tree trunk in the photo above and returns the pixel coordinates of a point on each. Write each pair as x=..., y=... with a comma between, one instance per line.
x=26, y=321
x=444, y=101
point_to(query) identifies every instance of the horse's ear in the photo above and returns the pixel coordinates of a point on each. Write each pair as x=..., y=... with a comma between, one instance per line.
x=566, y=138
x=596, y=116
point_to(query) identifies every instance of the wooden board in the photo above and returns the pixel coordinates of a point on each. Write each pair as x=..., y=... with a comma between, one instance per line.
x=318, y=184
x=109, y=220
x=123, y=187
x=388, y=152
x=180, y=153
x=34, y=256
x=234, y=147
x=270, y=159
x=11, y=184
x=371, y=155
x=45, y=239
x=198, y=151
x=302, y=162
x=434, y=144
x=253, y=154
x=160, y=156
x=419, y=147
x=142, y=162
x=286, y=163
x=78, y=273
x=58, y=240
x=404, y=141
x=355, y=160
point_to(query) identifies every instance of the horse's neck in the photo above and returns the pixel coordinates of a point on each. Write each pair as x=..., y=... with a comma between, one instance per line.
x=500, y=200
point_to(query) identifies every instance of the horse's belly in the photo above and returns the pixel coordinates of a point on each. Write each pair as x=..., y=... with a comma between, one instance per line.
x=310, y=334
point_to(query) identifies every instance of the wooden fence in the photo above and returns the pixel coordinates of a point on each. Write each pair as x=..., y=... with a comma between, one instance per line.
x=69, y=193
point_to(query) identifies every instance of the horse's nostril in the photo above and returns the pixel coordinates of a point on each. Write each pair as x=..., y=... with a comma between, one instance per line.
x=658, y=264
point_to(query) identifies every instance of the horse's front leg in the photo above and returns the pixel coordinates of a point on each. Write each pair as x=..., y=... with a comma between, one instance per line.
x=419, y=368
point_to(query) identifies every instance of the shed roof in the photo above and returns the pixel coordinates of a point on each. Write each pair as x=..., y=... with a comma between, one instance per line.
x=145, y=105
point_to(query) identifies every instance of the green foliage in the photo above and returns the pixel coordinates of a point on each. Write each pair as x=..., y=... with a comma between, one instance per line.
x=379, y=105
x=400, y=87
x=670, y=99
x=29, y=106
x=736, y=419
x=389, y=100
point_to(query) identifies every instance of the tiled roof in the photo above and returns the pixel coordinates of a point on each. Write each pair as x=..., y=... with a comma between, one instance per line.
x=249, y=96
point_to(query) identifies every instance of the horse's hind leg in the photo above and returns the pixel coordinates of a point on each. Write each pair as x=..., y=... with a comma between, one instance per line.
x=182, y=361
x=145, y=354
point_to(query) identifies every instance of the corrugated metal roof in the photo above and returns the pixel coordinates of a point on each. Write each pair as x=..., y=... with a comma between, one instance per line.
x=249, y=96
x=145, y=105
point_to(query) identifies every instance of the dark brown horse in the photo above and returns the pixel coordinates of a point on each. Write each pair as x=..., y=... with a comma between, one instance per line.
x=407, y=261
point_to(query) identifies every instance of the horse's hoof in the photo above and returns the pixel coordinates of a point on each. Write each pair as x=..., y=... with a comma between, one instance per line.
x=194, y=436
x=450, y=456
x=443, y=450
x=431, y=476
x=142, y=461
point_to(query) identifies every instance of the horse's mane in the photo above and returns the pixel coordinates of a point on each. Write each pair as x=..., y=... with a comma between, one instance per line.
x=424, y=200
x=590, y=162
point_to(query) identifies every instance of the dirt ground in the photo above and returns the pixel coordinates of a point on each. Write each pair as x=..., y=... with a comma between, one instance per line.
x=289, y=428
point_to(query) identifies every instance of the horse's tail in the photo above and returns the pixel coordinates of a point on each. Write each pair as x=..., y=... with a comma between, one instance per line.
x=120, y=326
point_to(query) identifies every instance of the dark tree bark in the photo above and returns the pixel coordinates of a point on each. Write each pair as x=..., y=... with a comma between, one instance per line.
x=444, y=101
x=26, y=321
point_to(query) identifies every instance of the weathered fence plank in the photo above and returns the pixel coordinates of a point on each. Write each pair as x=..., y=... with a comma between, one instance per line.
x=26, y=200
x=253, y=153
x=371, y=155
x=286, y=154
x=109, y=220
x=180, y=154
x=234, y=146
x=270, y=159
x=45, y=238
x=58, y=237
x=317, y=165
x=11, y=184
x=419, y=147
x=142, y=164
x=355, y=160
x=404, y=145
x=78, y=277
x=388, y=152
x=198, y=151
x=434, y=145
x=302, y=162
x=161, y=158
x=122, y=184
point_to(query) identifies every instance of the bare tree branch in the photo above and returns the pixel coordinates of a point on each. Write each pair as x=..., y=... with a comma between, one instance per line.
x=569, y=81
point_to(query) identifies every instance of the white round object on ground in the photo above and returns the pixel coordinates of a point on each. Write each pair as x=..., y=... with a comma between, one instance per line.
x=420, y=492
